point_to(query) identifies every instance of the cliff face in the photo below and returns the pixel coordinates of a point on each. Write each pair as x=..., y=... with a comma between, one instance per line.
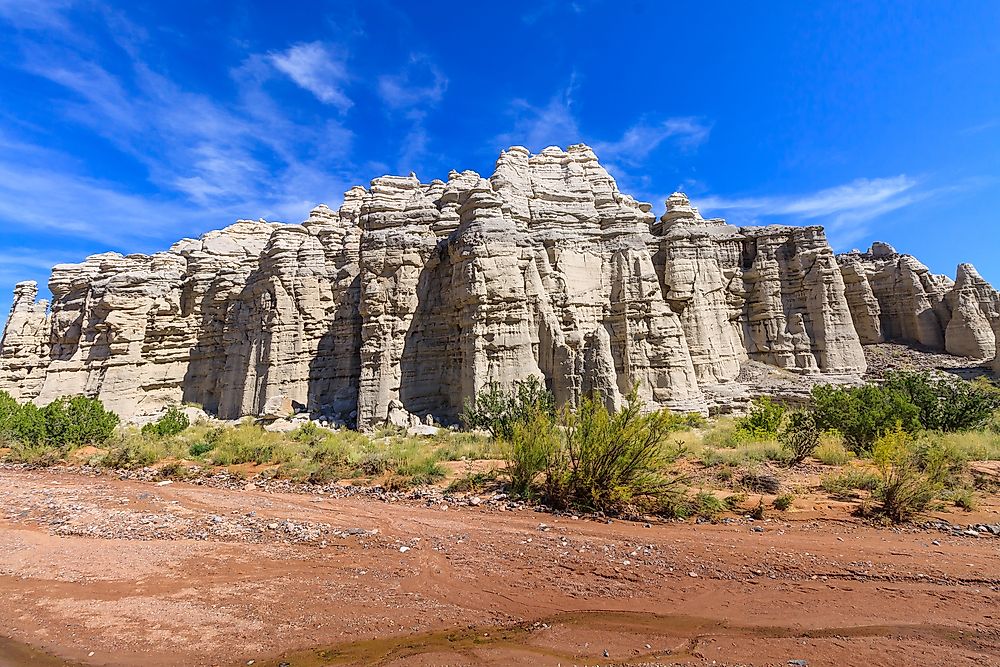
x=895, y=297
x=413, y=296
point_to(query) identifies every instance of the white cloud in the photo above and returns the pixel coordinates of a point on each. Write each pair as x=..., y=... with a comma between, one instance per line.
x=420, y=83
x=538, y=127
x=845, y=210
x=36, y=14
x=642, y=139
x=318, y=68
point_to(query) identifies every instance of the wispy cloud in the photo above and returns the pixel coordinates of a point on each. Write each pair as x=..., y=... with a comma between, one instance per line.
x=409, y=95
x=536, y=127
x=845, y=210
x=41, y=15
x=420, y=83
x=217, y=156
x=982, y=127
x=319, y=68
x=643, y=138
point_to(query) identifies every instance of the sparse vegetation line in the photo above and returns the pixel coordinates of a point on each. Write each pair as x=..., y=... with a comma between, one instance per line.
x=895, y=450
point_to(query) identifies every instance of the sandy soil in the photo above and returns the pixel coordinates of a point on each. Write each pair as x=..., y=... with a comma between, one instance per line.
x=100, y=571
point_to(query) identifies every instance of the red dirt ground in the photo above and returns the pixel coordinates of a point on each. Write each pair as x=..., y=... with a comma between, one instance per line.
x=93, y=571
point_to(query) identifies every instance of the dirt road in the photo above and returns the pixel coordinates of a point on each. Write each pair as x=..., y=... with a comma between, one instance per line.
x=100, y=571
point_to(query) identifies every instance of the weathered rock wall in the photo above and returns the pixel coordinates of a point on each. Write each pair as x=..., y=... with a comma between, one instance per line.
x=413, y=296
x=894, y=297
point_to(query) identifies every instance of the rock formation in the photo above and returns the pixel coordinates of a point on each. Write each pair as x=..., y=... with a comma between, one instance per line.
x=412, y=296
x=894, y=297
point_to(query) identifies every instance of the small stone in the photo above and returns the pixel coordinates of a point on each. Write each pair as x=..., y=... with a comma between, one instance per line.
x=693, y=574
x=165, y=482
x=403, y=550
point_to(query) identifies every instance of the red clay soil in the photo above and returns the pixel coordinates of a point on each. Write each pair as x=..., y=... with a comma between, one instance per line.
x=96, y=571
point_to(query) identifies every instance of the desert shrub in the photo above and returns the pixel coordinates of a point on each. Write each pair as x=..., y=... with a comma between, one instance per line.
x=473, y=482
x=9, y=409
x=595, y=458
x=764, y=419
x=708, y=505
x=799, y=436
x=173, y=470
x=497, y=409
x=744, y=454
x=612, y=459
x=77, y=420
x=248, y=443
x=171, y=423
x=940, y=459
x=845, y=484
x=200, y=448
x=963, y=498
x=422, y=474
x=468, y=446
x=946, y=403
x=129, y=454
x=862, y=414
x=905, y=489
x=373, y=464
x=831, y=451
x=783, y=502
x=28, y=425
x=535, y=447
x=735, y=500
x=760, y=481
x=33, y=453
x=309, y=434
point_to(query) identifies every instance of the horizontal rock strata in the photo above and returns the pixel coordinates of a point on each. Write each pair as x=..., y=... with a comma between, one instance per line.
x=413, y=296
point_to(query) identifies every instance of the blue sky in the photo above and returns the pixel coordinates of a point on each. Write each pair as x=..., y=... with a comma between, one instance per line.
x=125, y=127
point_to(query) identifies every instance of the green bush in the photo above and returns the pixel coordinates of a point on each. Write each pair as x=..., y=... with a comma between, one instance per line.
x=963, y=498
x=783, y=502
x=708, y=505
x=596, y=459
x=799, y=436
x=171, y=423
x=862, y=414
x=905, y=489
x=499, y=410
x=764, y=419
x=77, y=420
x=946, y=403
x=130, y=454
x=200, y=448
x=535, y=447
x=473, y=482
x=846, y=483
x=21, y=423
x=610, y=459
x=247, y=443
x=32, y=453
x=831, y=451
x=9, y=409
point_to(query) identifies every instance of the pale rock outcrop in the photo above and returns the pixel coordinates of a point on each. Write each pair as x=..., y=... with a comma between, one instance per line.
x=973, y=303
x=996, y=333
x=894, y=297
x=772, y=294
x=411, y=297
